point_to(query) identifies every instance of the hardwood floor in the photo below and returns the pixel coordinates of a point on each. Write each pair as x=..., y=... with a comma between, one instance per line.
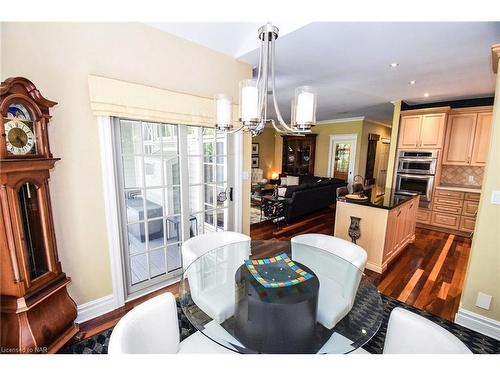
x=318, y=222
x=429, y=273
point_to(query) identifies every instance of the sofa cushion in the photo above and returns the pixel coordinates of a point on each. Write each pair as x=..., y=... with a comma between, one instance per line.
x=292, y=180
x=305, y=179
x=292, y=189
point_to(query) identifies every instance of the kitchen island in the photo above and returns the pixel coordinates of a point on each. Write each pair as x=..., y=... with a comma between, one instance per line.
x=386, y=224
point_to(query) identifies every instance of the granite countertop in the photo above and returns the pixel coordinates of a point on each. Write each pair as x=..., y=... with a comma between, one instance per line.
x=385, y=198
x=466, y=189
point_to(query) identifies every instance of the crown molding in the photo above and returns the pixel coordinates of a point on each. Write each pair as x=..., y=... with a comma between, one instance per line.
x=337, y=120
x=495, y=56
x=379, y=123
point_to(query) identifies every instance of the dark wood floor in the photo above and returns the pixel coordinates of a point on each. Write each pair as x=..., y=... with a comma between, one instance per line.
x=429, y=273
x=318, y=222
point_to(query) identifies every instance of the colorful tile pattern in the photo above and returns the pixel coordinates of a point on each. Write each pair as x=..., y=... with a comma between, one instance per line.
x=278, y=260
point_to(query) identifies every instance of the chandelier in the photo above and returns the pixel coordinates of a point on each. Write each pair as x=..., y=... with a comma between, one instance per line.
x=255, y=95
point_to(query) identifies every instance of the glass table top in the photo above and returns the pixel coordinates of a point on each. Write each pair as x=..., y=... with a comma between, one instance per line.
x=336, y=309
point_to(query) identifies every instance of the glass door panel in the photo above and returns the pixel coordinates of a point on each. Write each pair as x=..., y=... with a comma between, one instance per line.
x=148, y=175
x=156, y=164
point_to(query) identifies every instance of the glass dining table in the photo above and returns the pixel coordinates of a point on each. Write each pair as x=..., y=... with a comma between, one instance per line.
x=254, y=297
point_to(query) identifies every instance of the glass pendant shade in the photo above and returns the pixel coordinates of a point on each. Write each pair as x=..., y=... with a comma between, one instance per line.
x=304, y=108
x=249, y=101
x=223, y=112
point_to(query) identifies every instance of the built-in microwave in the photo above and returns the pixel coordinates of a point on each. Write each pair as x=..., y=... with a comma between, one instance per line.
x=418, y=162
x=411, y=183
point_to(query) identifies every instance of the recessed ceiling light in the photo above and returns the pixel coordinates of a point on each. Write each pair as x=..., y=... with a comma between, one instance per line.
x=426, y=95
x=393, y=65
x=412, y=82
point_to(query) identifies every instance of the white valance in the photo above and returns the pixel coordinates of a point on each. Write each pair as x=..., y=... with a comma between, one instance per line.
x=112, y=97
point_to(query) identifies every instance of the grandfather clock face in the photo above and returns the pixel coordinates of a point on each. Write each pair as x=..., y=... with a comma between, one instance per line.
x=20, y=137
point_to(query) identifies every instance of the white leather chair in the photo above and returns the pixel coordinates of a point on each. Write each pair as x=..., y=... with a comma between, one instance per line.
x=338, y=280
x=211, y=281
x=410, y=333
x=153, y=328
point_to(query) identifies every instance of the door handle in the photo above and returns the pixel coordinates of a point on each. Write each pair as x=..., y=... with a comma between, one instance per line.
x=231, y=194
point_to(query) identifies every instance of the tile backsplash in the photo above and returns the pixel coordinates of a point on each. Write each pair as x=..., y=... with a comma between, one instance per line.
x=459, y=175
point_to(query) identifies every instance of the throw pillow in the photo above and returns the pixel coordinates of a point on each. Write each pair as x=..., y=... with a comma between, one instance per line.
x=292, y=180
x=281, y=191
x=283, y=181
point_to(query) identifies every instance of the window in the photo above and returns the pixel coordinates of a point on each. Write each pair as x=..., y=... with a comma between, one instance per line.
x=152, y=178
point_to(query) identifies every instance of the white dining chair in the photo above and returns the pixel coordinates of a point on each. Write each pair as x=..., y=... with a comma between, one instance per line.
x=153, y=328
x=339, y=266
x=197, y=246
x=410, y=333
x=211, y=280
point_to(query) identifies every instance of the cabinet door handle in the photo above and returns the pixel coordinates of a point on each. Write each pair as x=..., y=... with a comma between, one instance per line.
x=475, y=213
x=399, y=213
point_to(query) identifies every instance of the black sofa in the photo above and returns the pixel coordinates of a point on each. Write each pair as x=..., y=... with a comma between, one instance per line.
x=312, y=194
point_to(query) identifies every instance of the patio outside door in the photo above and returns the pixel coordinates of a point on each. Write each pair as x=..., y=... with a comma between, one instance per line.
x=174, y=183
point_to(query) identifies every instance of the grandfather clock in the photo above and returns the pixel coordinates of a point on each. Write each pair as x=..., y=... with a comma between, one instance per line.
x=37, y=313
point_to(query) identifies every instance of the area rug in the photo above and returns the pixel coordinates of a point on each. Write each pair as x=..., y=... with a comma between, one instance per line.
x=255, y=216
x=476, y=342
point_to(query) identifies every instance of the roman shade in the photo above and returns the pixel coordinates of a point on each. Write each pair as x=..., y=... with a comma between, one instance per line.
x=112, y=97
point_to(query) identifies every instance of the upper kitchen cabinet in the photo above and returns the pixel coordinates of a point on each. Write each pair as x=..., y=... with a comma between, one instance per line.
x=481, y=139
x=422, y=131
x=467, y=138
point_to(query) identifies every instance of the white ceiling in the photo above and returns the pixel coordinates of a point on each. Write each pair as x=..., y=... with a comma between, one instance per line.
x=348, y=63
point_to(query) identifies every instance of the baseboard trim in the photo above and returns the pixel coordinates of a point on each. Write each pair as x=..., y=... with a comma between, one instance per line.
x=486, y=326
x=95, y=308
x=375, y=268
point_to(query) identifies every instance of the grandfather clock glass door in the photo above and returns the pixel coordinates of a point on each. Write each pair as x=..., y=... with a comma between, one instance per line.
x=33, y=232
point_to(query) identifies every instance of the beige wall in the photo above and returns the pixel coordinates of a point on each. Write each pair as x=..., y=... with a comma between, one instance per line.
x=278, y=152
x=324, y=132
x=483, y=272
x=58, y=57
x=246, y=184
x=394, y=144
x=266, y=142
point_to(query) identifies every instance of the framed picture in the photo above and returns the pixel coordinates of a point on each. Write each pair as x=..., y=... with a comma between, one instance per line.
x=255, y=149
x=255, y=162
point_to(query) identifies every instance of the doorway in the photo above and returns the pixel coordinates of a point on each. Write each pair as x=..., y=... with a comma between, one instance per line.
x=342, y=157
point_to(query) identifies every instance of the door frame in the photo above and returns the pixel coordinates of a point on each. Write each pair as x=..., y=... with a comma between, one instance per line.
x=111, y=207
x=335, y=138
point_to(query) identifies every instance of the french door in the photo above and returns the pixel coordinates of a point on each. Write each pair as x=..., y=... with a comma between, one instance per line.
x=174, y=182
x=341, y=162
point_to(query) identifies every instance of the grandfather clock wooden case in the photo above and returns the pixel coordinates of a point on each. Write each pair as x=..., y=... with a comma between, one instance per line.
x=37, y=313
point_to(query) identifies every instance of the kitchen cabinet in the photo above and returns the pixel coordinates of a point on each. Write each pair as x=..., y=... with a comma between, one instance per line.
x=400, y=228
x=467, y=138
x=482, y=135
x=424, y=131
x=386, y=229
x=452, y=210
